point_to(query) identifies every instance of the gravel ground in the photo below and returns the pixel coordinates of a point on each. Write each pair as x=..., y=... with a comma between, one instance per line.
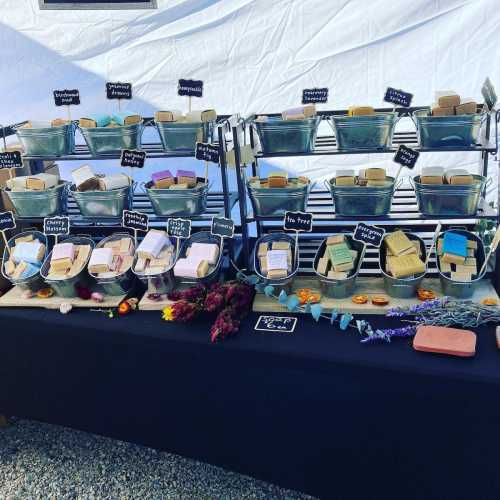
x=41, y=461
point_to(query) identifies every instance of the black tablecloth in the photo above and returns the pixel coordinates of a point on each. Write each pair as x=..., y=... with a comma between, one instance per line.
x=315, y=410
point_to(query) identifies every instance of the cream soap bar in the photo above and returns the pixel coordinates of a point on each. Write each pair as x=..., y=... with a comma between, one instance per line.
x=152, y=244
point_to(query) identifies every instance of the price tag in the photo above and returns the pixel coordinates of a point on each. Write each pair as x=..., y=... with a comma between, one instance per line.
x=489, y=94
x=207, y=152
x=398, y=97
x=66, y=97
x=180, y=228
x=406, y=157
x=56, y=226
x=132, y=158
x=370, y=235
x=118, y=90
x=11, y=159
x=135, y=220
x=7, y=221
x=298, y=221
x=222, y=227
x=315, y=95
x=281, y=324
x=191, y=88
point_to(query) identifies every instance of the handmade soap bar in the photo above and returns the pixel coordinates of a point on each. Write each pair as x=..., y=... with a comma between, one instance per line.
x=335, y=275
x=277, y=179
x=444, y=340
x=82, y=253
x=451, y=258
x=263, y=265
x=209, y=115
x=188, y=268
x=471, y=262
x=445, y=266
x=140, y=265
x=152, y=244
x=29, y=251
x=455, y=243
x=19, y=270
x=299, y=112
x=466, y=107
x=85, y=179
x=125, y=118
x=186, y=177
x=406, y=265
x=345, y=177
x=375, y=174
x=461, y=277
x=360, y=111
x=126, y=263
x=280, y=245
x=432, y=175
x=397, y=242
x=95, y=120
x=101, y=260
x=335, y=239
x=277, y=274
x=378, y=183
x=442, y=111
x=75, y=268
x=262, y=251
x=10, y=267
x=163, y=179
x=459, y=176
x=126, y=246
x=447, y=99
x=113, y=181
x=340, y=257
x=205, y=251
x=41, y=182
x=277, y=259
x=202, y=269
x=63, y=251
x=184, y=185
x=168, y=116
x=323, y=265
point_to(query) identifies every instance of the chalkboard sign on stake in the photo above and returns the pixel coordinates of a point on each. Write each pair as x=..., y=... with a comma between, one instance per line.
x=280, y=324
x=67, y=98
x=489, y=94
x=315, y=95
x=405, y=157
x=298, y=221
x=369, y=235
x=180, y=229
x=7, y=221
x=136, y=221
x=118, y=90
x=56, y=226
x=132, y=158
x=11, y=159
x=207, y=152
x=398, y=97
x=190, y=88
x=222, y=227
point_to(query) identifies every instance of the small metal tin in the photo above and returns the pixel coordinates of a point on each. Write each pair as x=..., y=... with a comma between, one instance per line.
x=178, y=202
x=67, y=287
x=111, y=140
x=35, y=282
x=287, y=136
x=364, y=132
x=182, y=136
x=283, y=283
x=276, y=201
x=339, y=289
x=47, y=141
x=441, y=132
x=103, y=203
x=402, y=288
x=360, y=201
x=44, y=203
x=449, y=199
x=463, y=290
x=123, y=283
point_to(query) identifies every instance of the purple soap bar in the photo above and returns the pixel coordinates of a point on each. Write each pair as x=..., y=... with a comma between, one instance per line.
x=158, y=176
x=185, y=173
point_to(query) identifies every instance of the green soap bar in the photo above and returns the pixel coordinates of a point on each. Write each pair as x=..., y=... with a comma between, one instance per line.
x=339, y=254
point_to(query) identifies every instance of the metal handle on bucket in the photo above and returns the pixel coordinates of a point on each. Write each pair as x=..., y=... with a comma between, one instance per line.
x=487, y=184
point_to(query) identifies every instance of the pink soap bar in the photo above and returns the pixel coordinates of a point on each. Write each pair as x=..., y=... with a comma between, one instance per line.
x=63, y=251
x=158, y=176
x=443, y=340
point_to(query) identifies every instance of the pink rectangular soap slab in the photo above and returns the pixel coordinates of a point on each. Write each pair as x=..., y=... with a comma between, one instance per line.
x=158, y=176
x=443, y=340
x=63, y=251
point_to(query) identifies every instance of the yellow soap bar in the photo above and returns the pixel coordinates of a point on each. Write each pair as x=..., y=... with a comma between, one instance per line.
x=202, y=269
x=335, y=239
x=323, y=264
x=452, y=258
x=360, y=111
x=397, y=242
x=466, y=108
x=448, y=101
x=375, y=174
x=407, y=265
x=262, y=251
x=277, y=273
x=280, y=245
x=345, y=181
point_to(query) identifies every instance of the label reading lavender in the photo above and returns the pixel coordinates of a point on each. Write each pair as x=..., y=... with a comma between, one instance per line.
x=7, y=221
x=398, y=97
x=371, y=235
x=298, y=221
x=55, y=226
x=207, y=152
x=489, y=94
x=118, y=90
x=193, y=88
x=132, y=158
x=66, y=97
x=313, y=96
x=135, y=220
x=11, y=159
x=281, y=324
x=222, y=227
x=180, y=228
x=406, y=156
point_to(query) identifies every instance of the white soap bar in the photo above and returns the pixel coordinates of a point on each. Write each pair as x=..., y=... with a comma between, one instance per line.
x=433, y=171
x=114, y=181
x=28, y=251
x=193, y=116
x=101, y=256
x=456, y=171
x=187, y=268
x=82, y=174
x=345, y=173
x=153, y=243
x=17, y=182
x=277, y=259
x=205, y=251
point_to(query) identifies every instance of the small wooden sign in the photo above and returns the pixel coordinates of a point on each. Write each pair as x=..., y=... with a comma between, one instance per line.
x=222, y=227
x=398, y=97
x=56, y=226
x=370, y=235
x=132, y=158
x=207, y=152
x=180, y=228
x=67, y=97
x=11, y=159
x=118, y=90
x=192, y=88
x=7, y=221
x=315, y=96
x=298, y=221
x=135, y=220
x=489, y=94
x=406, y=156
x=281, y=324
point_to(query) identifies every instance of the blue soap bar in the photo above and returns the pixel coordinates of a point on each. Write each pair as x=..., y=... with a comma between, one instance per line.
x=455, y=244
x=101, y=119
x=30, y=271
x=120, y=117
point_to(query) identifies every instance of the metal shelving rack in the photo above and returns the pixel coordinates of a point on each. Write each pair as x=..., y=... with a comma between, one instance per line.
x=404, y=211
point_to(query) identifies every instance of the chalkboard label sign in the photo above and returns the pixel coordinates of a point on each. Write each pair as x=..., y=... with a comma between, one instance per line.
x=132, y=158
x=313, y=96
x=11, y=159
x=489, y=94
x=281, y=324
x=66, y=97
x=180, y=228
x=207, y=152
x=222, y=227
x=398, y=97
x=193, y=88
x=7, y=221
x=118, y=90
x=135, y=220
x=370, y=235
x=406, y=157
x=55, y=226
x=298, y=221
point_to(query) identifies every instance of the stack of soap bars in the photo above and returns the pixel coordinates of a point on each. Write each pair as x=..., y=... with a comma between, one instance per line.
x=403, y=256
x=457, y=256
x=339, y=259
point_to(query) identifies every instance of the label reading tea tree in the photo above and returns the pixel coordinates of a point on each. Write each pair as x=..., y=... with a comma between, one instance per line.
x=298, y=221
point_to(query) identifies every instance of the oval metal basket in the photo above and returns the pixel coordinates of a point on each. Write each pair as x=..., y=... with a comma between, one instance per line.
x=111, y=140
x=364, y=132
x=460, y=289
x=44, y=203
x=402, y=288
x=103, y=203
x=34, y=282
x=182, y=136
x=340, y=289
x=67, y=287
x=180, y=202
x=47, y=140
x=449, y=199
x=287, y=136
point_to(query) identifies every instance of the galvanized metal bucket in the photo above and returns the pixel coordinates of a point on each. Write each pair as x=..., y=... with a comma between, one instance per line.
x=103, y=203
x=340, y=289
x=277, y=201
x=123, y=283
x=34, y=282
x=45, y=140
x=441, y=132
x=402, y=288
x=67, y=287
x=449, y=199
x=111, y=140
x=360, y=201
x=287, y=136
x=44, y=203
x=182, y=136
x=463, y=290
x=364, y=132
x=179, y=202
x=283, y=283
